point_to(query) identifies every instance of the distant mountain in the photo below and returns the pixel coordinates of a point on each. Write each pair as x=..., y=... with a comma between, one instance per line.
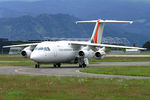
x=9, y=13
x=29, y=28
x=135, y=10
x=60, y=26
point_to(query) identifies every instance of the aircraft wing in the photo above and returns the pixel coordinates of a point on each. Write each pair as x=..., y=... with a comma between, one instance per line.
x=103, y=45
x=21, y=45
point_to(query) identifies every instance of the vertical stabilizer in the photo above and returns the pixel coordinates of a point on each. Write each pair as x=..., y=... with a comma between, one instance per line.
x=99, y=27
x=97, y=33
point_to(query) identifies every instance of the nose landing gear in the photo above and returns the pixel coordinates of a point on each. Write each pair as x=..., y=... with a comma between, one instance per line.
x=37, y=65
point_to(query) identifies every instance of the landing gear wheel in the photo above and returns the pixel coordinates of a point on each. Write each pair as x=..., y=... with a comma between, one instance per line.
x=37, y=66
x=57, y=65
x=80, y=65
x=84, y=65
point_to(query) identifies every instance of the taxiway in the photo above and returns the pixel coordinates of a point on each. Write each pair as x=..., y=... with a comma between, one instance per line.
x=68, y=70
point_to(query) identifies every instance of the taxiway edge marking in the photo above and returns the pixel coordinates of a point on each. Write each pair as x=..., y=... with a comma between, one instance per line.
x=78, y=71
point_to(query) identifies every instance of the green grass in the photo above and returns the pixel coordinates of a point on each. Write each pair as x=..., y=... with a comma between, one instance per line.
x=19, y=60
x=121, y=59
x=145, y=53
x=120, y=70
x=13, y=58
x=23, y=63
x=71, y=88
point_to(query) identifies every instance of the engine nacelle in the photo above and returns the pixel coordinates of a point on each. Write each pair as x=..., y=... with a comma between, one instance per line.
x=100, y=54
x=83, y=53
x=26, y=52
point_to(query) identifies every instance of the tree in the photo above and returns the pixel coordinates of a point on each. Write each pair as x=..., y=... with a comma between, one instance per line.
x=147, y=45
x=134, y=44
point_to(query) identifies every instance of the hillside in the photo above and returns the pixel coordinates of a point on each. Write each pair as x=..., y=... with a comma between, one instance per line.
x=136, y=10
x=28, y=27
x=60, y=26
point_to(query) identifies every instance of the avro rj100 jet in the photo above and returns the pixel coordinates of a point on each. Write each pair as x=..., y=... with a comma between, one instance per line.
x=58, y=52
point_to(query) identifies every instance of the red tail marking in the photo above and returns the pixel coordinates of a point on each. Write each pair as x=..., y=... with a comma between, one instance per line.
x=96, y=33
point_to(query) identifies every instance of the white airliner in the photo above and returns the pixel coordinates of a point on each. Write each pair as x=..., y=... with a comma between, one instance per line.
x=59, y=52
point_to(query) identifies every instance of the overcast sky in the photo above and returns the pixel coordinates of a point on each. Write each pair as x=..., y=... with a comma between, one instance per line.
x=20, y=0
x=146, y=1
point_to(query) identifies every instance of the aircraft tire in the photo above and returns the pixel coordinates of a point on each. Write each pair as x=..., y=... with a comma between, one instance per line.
x=55, y=65
x=59, y=65
x=80, y=66
x=84, y=65
x=37, y=66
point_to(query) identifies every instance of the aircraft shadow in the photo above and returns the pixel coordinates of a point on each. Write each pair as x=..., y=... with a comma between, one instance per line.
x=63, y=67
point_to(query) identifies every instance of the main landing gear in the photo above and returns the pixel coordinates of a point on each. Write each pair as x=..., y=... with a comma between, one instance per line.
x=83, y=62
x=57, y=65
x=37, y=65
x=82, y=65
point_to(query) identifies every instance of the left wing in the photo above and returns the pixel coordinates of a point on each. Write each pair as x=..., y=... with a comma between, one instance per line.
x=103, y=45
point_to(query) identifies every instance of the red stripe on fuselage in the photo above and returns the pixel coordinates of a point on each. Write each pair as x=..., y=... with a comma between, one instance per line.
x=96, y=33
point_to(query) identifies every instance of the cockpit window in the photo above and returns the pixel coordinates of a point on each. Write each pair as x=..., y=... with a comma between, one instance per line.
x=46, y=49
x=42, y=48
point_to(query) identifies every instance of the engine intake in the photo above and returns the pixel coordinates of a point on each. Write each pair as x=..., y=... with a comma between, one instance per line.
x=23, y=53
x=26, y=52
x=81, y=53
x=100, y=55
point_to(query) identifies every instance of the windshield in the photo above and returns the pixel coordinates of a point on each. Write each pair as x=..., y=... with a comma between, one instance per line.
x=42, y=48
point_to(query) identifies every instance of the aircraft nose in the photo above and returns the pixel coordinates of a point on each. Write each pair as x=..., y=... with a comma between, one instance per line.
x=33, y=57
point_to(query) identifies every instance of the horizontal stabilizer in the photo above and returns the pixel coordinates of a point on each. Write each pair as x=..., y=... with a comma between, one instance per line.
x=104, y=21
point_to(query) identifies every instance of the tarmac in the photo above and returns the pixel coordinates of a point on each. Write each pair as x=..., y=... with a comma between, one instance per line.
x=71, y=70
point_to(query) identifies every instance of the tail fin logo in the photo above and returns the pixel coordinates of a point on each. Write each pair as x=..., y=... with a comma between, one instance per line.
x=96, y=33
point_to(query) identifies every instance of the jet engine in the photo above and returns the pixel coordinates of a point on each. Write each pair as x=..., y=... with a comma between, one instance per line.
x=83, y=53
x=26, y=52
x=100, y=54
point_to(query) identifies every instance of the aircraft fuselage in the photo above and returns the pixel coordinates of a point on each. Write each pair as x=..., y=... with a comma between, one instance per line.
x=57, y=52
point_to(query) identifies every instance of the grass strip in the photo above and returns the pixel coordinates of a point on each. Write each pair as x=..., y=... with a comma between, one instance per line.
x=120, y=70
x=71, y=88
x=121, y=59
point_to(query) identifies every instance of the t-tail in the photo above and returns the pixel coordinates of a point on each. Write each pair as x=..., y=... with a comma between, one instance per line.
x=99, y=27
